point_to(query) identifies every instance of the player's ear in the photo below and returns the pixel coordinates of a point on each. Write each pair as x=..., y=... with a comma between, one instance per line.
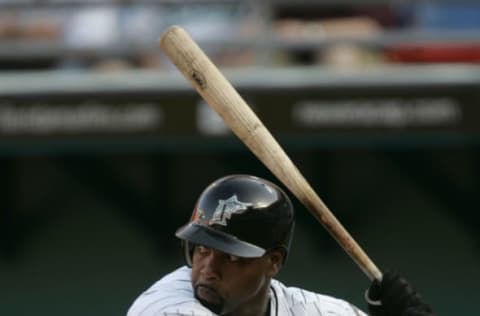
x=275, y=261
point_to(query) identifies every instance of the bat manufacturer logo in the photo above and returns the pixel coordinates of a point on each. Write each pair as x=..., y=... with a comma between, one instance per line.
x=199, y=79
x=227, y=208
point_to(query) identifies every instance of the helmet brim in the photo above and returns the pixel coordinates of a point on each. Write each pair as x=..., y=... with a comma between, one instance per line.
x=211, y=238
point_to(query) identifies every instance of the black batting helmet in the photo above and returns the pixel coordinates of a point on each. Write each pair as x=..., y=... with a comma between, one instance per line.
x=241, y=215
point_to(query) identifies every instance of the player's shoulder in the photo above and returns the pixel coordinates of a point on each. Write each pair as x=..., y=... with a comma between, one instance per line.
x=171, y=295
x=304, y=302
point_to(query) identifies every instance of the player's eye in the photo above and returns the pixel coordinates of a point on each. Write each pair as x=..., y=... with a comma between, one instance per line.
x=233, y=258
x=202, y=250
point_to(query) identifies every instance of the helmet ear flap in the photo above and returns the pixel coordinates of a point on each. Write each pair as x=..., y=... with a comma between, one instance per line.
x=187, y=248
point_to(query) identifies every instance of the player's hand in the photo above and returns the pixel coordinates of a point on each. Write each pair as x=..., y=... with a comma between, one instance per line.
x=394, y=296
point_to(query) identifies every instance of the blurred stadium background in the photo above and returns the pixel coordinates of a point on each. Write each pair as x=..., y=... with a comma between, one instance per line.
x=104, y=147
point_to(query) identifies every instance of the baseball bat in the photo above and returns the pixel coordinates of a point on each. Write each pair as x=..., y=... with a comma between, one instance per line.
x=217, y=91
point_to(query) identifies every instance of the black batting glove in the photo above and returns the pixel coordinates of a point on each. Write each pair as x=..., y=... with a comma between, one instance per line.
x=394, y=296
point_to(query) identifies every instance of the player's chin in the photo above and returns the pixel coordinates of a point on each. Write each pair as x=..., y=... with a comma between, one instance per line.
x=209, y=298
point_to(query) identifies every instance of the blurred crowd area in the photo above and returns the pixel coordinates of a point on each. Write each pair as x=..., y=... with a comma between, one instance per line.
x=109, y=35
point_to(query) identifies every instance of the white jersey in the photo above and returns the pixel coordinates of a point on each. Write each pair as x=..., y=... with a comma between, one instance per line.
x=173, y=296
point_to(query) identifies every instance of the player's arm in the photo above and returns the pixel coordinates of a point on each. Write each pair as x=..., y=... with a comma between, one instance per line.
x=395, y=296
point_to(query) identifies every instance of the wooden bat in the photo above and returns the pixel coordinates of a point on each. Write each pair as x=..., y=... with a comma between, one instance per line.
x=217, y=91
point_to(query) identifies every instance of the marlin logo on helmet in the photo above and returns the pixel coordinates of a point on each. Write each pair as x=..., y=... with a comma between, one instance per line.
x=226, y=208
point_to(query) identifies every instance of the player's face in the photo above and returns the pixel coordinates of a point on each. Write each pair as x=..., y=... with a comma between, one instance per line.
x=225, y=283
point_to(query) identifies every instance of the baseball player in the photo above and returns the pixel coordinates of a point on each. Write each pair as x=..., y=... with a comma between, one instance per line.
x=235, y=243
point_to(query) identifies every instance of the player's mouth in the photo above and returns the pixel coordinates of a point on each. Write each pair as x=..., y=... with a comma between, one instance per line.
x=208, y=294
